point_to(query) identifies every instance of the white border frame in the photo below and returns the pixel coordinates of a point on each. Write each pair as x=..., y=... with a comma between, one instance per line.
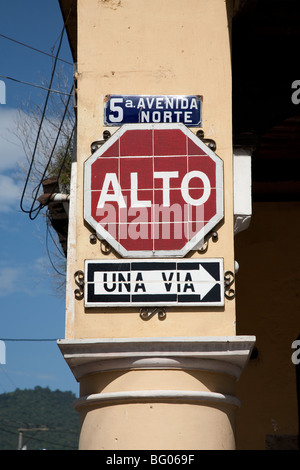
x=102, y=234
x=153, y=304
x=108, y=97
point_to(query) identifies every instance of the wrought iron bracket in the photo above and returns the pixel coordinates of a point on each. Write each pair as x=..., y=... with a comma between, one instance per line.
x=214, y=236
x=147, y=313
x=228, y=282
x=211, y=144
x=105, y=247
x=79, y=281
x=97, y=143
x=93, y=239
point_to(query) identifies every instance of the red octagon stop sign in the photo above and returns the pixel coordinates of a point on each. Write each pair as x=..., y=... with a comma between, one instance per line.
x=153, y=190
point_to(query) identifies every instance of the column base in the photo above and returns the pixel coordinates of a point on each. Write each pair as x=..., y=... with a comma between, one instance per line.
x=157, y=393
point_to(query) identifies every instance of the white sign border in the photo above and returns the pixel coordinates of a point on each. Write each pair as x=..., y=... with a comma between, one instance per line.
x=220, y=303
x=109, y=97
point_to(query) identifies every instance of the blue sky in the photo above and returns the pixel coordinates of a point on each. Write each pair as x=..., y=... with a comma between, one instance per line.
x=31, y=305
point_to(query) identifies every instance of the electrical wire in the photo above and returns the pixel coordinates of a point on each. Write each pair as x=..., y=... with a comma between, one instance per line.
x=48, y=253
x=47, y=214
x=27, y=339
x=13, y=422
x=36, y=189
x=40, y=125
x=40, y=206
x=36, y=86
x=34, y=48
x=8, y=377
x=46, y=441
x=39, y=130
x=64, y=158
x=34, y=211
x=66, y=151
x=48, y=223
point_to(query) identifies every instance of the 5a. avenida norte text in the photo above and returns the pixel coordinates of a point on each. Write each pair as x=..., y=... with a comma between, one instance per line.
x=152, y=459
x=122, y=109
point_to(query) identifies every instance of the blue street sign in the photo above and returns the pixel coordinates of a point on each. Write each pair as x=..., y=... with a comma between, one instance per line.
x=162, y=109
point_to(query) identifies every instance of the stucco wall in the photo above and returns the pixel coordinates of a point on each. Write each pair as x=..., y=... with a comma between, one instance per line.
x=268, y=306
x=134, y=47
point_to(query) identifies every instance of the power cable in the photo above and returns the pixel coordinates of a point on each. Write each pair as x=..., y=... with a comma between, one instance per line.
x=8, y=431
x=36, y=86
x=46, y=441
x=66, y=151
x=40, y=206
x=14, y=422
x=27, y=339
x=9, y=378
x=41, y=122
x=48, y=253
x=34, y=48
x=64, y=157
x=2, y=388
x=48, y=223
x=34, y=211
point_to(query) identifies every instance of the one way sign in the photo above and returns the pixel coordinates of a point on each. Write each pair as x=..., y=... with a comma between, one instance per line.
x=154, y=283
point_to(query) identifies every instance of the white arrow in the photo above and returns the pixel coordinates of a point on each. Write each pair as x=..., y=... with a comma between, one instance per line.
x=207, y=281
x=201, y=279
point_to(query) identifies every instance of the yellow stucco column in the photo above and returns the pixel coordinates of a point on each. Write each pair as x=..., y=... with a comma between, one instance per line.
x=157, y=393
x=153, y=383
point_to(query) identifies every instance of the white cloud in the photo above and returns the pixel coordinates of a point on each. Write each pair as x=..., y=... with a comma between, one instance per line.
x=26, y=279
x=10, y=193
x=8, y=279
x=11, y=151
x=17, y=129
x=11, y=156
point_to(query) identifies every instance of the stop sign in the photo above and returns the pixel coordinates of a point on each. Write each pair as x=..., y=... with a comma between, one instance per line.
x=153, y=190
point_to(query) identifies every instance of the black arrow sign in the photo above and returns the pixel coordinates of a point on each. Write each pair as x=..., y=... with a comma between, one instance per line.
x=153, y=283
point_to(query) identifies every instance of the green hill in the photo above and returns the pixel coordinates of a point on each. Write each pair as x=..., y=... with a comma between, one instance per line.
x=38, y=408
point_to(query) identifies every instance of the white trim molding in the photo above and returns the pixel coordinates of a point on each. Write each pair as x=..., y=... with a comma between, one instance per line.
x=223, y=354
x=158, y=396
x=242, y=178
